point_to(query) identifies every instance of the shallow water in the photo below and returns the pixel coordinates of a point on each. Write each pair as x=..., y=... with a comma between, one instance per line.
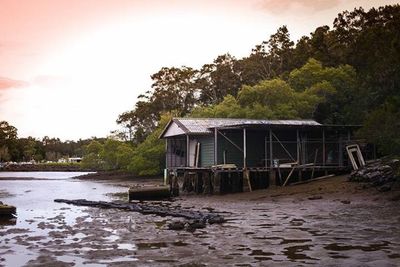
x=288, y=231
x=37, y=213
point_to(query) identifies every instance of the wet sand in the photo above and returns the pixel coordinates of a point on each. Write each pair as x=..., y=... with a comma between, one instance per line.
x=325, y=223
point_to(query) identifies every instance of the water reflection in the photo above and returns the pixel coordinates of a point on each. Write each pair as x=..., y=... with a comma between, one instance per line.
x=41, y=222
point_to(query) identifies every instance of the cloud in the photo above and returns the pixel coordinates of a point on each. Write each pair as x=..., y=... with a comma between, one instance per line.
x=282, y=6
x=6, y=83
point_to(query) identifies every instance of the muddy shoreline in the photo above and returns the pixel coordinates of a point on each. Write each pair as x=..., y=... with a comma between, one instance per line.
x=325, y=223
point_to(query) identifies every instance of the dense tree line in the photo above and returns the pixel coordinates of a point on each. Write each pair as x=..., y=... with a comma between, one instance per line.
x=347, y=74
x=17, y=149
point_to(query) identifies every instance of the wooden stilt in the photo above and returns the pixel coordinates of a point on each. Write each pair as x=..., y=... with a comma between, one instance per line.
x=279, y=175
x=216, y=183
x=272, y=178
x=246, y=181
x=187, y=182
x=206, y=183
x=175, y=186
x=313, y=180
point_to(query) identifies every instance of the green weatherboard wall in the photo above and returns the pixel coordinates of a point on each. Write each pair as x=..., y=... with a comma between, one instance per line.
x=255, y=149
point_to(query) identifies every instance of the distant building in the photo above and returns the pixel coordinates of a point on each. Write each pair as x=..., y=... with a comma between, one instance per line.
x=74, y=160
x=70, y=160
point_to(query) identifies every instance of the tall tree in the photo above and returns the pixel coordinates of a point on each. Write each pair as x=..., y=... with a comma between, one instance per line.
x=218, y=79
x=8, y=141
x=371, y=43
x=269, y=59
x=174, y=89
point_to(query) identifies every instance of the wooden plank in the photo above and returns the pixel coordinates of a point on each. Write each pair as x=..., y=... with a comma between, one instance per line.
x=230, y=141
x=284, y=148
x=288, y=177
x=313, y=180
x=197, y=156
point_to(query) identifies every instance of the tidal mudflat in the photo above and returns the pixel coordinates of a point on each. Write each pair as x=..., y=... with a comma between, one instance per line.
x=326, y=223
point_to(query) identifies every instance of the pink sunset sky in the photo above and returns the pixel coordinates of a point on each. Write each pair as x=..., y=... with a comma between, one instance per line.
x=69, y=67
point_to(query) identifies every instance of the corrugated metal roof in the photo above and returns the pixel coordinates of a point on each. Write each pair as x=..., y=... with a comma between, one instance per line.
x=204, y=125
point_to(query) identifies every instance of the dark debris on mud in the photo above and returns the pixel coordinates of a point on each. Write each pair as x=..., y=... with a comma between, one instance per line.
x=193, y=219
x=379, y=173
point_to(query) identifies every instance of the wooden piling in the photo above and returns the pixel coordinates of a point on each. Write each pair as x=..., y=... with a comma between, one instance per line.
x=174, y=186
x=207, y=188
x=216, y=183
x=272, y=178
x=246, y=181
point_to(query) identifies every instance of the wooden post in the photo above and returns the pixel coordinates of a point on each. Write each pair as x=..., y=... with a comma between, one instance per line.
x=198, y=146
x=197, y=184
x=340, y=151
x=270, y=149
x=304, y=149
x=215, y=146
x=272, y=178
x=315, y=162
x=323, y=148
x=265, y=151
x=206, y=183
x=216, y=183
x=246, y=181
x=175, y=186
x=186, y=186
x=224, y=157
x=166, y=153
x=244, y=148
x=298, y=146
x=187, y=151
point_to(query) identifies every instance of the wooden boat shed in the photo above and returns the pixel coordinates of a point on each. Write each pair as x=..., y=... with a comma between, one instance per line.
x=208, y=155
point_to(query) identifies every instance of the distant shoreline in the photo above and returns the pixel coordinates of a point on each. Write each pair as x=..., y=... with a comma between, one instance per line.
x=116, y=175
x=44, y=168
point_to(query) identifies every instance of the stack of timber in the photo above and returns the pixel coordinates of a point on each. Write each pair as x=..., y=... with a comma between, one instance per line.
x=379, y=173
x=7, y=210
x=149, y=193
